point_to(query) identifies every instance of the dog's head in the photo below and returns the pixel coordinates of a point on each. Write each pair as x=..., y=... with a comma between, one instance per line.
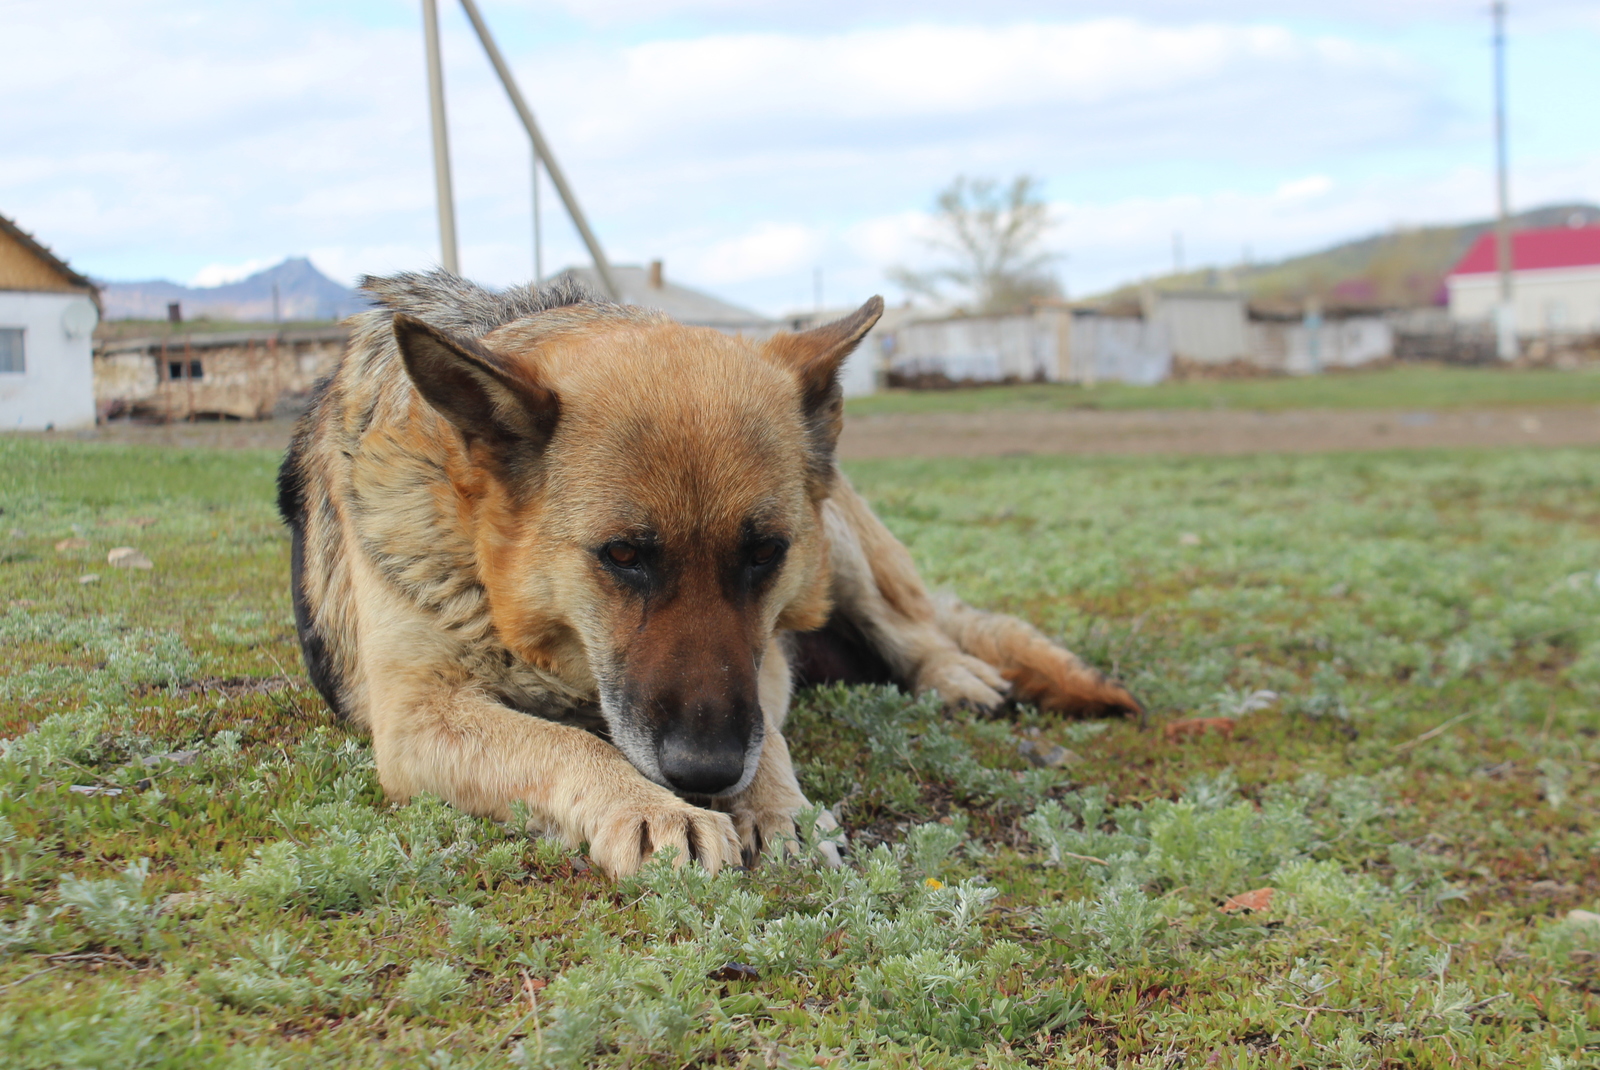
x=645, y=503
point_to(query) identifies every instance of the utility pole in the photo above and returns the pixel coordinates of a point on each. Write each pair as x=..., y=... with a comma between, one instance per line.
x=441, y=147
x=538, y=239
x=541, y=149
x=1505, y=312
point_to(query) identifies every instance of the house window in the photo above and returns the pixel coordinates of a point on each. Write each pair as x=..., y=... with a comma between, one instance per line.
x=195, y=370
x=175, y=370
x=11, y=357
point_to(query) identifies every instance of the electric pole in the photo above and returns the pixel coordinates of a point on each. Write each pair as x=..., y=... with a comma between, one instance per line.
x=541, y=148
x=538, y=238
x=1505, y=312
x=441, y=147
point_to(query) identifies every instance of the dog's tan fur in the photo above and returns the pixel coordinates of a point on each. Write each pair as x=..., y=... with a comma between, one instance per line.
x=465, y=495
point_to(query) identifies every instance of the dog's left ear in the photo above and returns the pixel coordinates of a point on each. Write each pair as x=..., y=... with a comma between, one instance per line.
x=815, y=357
x=476, y=390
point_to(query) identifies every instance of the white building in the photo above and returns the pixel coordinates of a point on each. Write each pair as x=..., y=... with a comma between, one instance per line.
x=1555, y=281
x=648, y=287
x=1048, y=344
x=47, y=317
x=1204, y=326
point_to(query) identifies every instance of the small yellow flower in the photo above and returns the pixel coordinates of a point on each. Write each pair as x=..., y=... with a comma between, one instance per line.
x=934, y=882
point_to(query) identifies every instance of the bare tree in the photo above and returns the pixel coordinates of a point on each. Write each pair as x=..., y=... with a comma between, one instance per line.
x=991, y=239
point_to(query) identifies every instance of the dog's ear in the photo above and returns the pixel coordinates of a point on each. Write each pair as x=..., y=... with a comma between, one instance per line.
x=815, y=357
x=475, y=389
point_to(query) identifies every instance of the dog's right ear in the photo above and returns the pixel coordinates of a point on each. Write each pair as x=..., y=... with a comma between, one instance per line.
x=474, y=389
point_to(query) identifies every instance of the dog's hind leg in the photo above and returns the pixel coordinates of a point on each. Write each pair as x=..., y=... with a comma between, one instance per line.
x=1039, y=671
x=939, y=644
x=876, y=589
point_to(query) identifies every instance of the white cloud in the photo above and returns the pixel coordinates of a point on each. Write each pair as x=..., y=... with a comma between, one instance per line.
x=1305, y=188
x=768, y=249
x=222, y=274
x=919, y=83
x=178, y=135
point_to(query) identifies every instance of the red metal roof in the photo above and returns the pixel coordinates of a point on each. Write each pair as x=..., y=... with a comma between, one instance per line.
x=1551, y=247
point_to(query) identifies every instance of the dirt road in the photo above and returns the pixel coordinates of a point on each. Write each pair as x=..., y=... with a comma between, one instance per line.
x=1008, y=432
x=1000, y=433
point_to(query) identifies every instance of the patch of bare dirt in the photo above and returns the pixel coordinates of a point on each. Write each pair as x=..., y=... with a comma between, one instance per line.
x=1003, y=431
x=234, y=686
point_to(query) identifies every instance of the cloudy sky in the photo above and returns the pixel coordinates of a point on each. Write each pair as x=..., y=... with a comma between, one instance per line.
x=748, y=144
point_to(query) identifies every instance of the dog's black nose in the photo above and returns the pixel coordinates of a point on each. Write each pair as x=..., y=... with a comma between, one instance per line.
x=701, y=767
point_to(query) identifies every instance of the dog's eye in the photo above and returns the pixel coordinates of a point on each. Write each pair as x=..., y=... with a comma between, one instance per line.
x=766, y=553
x=622, y=554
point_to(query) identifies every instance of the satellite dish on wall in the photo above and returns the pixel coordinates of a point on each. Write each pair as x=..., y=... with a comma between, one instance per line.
x=78, y=319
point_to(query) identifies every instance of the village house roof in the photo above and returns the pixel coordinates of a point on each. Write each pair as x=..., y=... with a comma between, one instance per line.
x=1534, y=250
x=647, y=288
x=179, y=342
x=25, y=264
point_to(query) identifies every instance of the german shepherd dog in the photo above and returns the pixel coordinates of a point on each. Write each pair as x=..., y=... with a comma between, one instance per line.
x=574, y=554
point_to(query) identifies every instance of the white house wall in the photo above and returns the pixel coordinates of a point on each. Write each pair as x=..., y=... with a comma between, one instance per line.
x=1204, y=328
x=56, y=387
x=1118, y=349
x=981, y=348
x=1556, y=300
x=1341, y=343
x=1049, y=344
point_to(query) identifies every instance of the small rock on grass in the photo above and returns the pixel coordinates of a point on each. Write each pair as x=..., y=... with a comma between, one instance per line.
x=128, y=557
x=177, y=757
x=89, y=577
x=1583, y=917
x=185, y=904
x=73, y=543
x=1045, y=754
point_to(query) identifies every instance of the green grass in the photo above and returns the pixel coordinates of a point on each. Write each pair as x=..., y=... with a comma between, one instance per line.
x=1403, y=387
x=227, y=886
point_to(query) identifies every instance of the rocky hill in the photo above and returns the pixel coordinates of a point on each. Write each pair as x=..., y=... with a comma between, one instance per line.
x=304, y=294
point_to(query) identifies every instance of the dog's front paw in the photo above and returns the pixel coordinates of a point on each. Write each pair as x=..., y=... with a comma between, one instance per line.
x=638, y=825
x=965, y=681
x=760, y=826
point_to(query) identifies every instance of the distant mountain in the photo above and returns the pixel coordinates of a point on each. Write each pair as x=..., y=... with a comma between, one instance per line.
x=1402, y=268
x=304, y=293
